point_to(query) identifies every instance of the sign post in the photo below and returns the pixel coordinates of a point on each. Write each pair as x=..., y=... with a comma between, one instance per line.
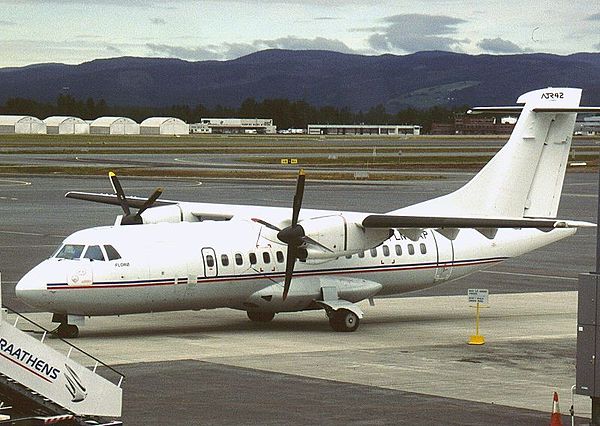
x=479, y=297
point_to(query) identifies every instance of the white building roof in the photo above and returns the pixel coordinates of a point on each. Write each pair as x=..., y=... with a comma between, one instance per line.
x=108, y=121
x=10, y=120
x=158, y=121
x=57, y=120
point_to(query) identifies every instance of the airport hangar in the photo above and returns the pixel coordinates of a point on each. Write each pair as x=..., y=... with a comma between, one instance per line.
x=65, y=125
x=21, y=124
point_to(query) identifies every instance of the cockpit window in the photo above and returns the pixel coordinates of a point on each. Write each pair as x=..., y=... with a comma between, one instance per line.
x=94, y=253
x=70, y=251
x=112, y=253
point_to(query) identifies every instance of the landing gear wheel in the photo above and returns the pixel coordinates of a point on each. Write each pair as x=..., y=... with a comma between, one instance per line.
x=260, y=316
x=67, y=331
x=343, y=320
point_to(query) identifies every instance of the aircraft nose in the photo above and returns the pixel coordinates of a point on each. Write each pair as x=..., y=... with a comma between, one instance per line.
x=33, y=284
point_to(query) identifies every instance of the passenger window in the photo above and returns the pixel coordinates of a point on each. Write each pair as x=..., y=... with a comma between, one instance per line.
x=94, y=253
x=411, y=249
x=111, y=253
x=224, y=260
x=374, y=252
x=70, y=251
x=252, y=258
x=386, y=251
x=398, y=250
x=361, y=254
x=210, y=261
x=239, y=260
x=279, y=255
x=266, y=257
x=423, y=248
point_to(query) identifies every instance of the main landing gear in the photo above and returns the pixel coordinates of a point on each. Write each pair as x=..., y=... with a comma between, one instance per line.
x=64, y=329
x=343, y=320
x=257, y=316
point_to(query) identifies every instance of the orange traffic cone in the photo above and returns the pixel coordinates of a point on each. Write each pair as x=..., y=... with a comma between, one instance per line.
x=556, y=418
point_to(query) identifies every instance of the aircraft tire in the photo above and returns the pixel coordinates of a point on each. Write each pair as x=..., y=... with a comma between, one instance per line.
x=260, y=316
x=67, y=331
x=344, y=320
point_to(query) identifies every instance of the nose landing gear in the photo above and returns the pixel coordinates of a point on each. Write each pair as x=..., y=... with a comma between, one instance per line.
x=64, y=329
x=67, y=331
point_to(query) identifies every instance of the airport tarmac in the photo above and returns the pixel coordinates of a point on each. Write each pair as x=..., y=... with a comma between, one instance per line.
x=408, y=362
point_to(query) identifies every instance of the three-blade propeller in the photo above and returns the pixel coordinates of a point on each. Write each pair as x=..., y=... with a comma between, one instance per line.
x=128, y=217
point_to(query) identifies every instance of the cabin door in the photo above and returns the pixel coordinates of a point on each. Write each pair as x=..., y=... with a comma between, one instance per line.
x=445, y=256
x=209, y=259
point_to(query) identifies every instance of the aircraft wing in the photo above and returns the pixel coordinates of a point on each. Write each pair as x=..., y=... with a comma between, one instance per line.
x=205, y=211
x=136, y=202
x=412, y=226
x=390, y=221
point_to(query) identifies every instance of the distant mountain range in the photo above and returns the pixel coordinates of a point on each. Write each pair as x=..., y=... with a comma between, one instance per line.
x=320, y=78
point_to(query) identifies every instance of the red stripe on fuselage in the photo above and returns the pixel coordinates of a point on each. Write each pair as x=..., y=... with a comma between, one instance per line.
x=275, y=275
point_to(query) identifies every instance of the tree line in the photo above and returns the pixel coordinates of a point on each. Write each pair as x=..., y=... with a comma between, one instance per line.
x=285, y=113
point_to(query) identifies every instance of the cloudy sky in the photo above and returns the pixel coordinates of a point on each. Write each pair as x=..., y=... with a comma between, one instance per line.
x=75, y=31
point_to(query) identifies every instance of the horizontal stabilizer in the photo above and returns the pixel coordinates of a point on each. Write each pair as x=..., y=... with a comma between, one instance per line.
x=422, y=222
x=518, y=109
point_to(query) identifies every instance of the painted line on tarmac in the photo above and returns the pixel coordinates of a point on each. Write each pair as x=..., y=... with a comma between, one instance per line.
x=33, y=234
x=11, y=182
x=540, y=337
x=582, y=195
x=30, y=246
x=520, y=274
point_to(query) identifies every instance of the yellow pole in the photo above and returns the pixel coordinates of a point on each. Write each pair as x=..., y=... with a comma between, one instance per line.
x=477, y=320
x=476, y=339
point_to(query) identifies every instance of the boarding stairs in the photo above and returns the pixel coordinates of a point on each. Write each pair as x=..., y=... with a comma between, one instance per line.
x=39, y=382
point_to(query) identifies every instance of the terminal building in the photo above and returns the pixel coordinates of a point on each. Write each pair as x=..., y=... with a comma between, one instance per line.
x=363, y=129
x=588, y=126
x=465, y=124
x=234, y=126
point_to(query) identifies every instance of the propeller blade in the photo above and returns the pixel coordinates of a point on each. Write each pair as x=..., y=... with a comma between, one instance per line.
x=119, y=193
x=267, y=224
x=150, y=201
x=289, y=269
x=298, y=197
x=309, y=240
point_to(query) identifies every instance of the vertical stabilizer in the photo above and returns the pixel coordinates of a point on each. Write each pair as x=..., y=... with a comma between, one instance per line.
x=525, y=177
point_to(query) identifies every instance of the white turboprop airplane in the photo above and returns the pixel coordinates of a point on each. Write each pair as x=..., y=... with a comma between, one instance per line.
x=266, y=260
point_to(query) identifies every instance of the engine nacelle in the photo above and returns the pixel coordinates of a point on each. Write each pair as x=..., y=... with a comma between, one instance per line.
x=173, y=213
x=342, y=237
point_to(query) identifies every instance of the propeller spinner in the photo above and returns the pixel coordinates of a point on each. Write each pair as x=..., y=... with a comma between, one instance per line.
x=128, y=217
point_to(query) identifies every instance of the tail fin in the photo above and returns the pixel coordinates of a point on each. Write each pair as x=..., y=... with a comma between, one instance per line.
x=525, y=177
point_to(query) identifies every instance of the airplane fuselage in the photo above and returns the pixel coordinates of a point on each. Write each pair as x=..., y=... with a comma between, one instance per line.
x=168, y=267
